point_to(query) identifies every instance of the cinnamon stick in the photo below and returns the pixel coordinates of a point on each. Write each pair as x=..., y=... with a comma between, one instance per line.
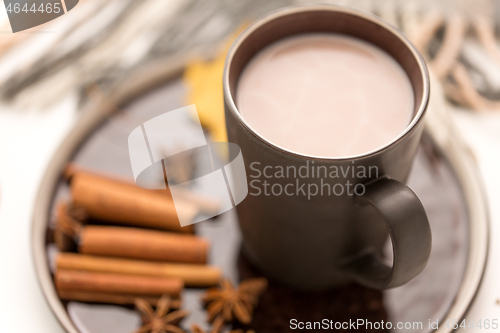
x=70, y=280
x=125, y=203
x=120, y=299
x=192, y=275
x=67, y=228
x=138, y=243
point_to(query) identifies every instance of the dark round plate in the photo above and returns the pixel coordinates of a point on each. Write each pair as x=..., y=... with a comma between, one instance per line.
x=443, y=177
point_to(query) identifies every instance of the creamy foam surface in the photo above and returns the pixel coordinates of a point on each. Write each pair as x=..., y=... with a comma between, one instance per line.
x=325, y=95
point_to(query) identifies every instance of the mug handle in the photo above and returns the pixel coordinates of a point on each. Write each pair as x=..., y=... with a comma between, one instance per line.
x=410, y=232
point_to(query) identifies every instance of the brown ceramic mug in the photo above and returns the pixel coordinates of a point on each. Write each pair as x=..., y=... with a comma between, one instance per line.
x=327, y=241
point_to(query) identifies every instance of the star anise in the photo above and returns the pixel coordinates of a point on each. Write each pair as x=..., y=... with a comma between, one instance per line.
x=160, y=321
x=226, y=303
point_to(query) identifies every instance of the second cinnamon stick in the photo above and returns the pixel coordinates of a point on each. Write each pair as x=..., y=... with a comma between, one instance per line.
x=142, y=244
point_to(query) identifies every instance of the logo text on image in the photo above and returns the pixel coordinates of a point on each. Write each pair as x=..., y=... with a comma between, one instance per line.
x=26, y=14
x=220, y=171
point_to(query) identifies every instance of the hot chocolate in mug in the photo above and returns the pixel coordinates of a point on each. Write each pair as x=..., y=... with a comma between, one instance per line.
x=327, y=106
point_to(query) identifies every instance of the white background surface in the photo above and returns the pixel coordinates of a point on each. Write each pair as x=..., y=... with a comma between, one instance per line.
x=27, y=141
x=482, y=132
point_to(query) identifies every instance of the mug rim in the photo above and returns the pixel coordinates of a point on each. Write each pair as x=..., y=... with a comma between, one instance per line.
x=417, y=118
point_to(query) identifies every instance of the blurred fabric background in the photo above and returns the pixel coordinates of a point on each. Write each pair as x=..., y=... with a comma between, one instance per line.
x=49, y=73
